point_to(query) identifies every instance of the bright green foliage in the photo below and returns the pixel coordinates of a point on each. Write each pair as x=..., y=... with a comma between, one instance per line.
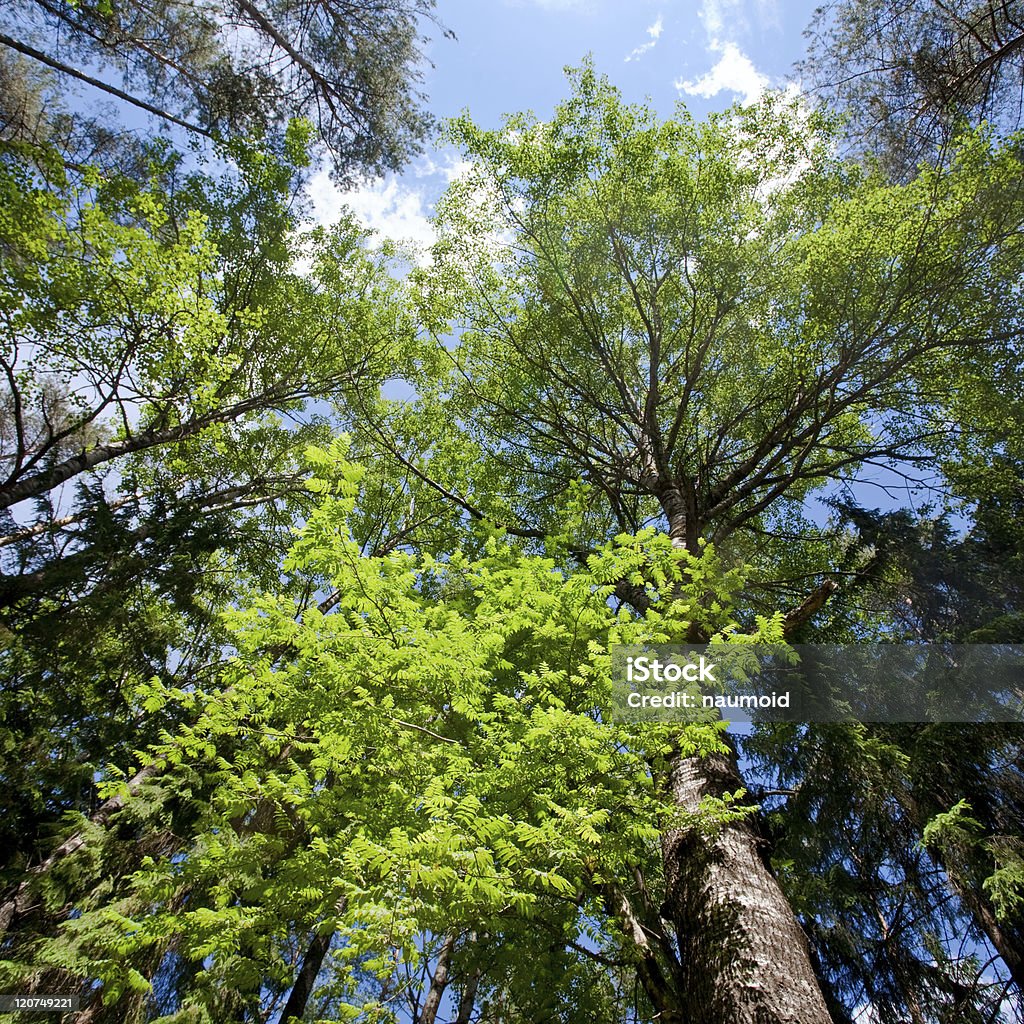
x=161, y=351
x=434, y=755
x=672, y=335
x=149, y=315
x=697, y=324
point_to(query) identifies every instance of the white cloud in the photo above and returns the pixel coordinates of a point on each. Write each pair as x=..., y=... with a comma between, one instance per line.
x=392, y=210
x=450, y=167
x=713, y=14
x=733, y=73
x=654, y=31
x=395, y=211
x=724, y=22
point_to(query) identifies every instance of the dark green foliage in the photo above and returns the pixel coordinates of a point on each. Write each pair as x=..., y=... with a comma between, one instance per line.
x=245, y=69
x=902, y=844
x=908, y=73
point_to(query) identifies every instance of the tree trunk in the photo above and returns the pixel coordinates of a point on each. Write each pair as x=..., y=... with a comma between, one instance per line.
x=1005, y=936
x=66, y=69
x=438, y=983
x=305, y=980
x=312, y=961
x=1006, y=941
x=468, y=998
x=743, y=956
x=21, y=900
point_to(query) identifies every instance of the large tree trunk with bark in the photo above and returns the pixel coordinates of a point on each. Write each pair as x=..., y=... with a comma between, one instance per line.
x=438, y=982
x=743, y=956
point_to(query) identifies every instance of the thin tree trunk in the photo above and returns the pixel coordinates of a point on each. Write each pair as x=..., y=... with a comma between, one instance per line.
x=934, y=792
x=20, y=901
x=1007, y=945
x=659, y=980
x=305, y=980
x=438, y=983
x=468, y=998
x=1005, y=941
x=45, y=480
x=66, y=69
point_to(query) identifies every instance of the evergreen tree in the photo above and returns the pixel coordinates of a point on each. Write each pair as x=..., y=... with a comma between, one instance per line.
x=239, y=70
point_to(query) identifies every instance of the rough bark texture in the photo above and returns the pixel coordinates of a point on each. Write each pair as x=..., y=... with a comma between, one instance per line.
x=743, y=956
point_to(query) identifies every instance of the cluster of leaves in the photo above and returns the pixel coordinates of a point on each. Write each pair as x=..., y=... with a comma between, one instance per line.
x=383, y=773
x=160, y=352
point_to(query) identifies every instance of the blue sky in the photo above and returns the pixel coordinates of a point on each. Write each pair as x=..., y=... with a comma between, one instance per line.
x=509, y=55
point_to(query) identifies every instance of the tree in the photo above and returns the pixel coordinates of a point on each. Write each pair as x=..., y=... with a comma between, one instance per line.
x=181, y=323
x=952, y=790
x=160, y=351
x=693, y=326
x=369, y=784
x=248, y=67
x=908, y=74
x=893, y=922
x=899, y=839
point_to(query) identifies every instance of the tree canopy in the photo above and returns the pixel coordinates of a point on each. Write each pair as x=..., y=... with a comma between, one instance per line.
x=236, y=70
x=307, y=706
x=909, y=74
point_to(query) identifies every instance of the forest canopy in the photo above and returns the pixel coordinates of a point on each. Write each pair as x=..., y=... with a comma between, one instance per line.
x=305, y=689
x=221, y=71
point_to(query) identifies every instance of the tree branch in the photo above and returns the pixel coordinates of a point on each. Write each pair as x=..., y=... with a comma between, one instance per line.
x=66, y=69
